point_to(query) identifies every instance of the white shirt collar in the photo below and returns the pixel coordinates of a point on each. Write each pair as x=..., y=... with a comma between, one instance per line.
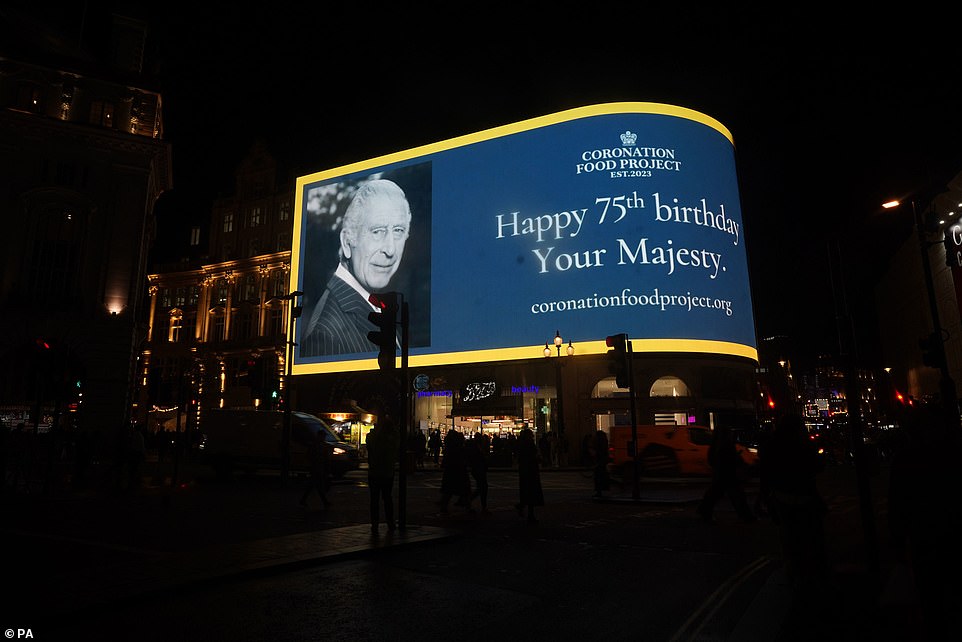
x=345, y=275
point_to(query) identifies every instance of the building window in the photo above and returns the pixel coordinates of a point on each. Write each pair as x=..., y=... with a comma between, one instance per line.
x=174, y=333
x=278, y=283
x=195, y=236
x=276, y=321
x=221, y=292
x=253, y=247
x=255, y=216
x=180, y=297
x=56, y=252
x=189, y=324
x=250, y=288
x=102, y=113
x=283, y=242
x=165, y=297
x=229, y=222
x=284, y=213
x=242, y=326
x=671, y=418
x=193, y=295
x=217, y=331
x=669, y=387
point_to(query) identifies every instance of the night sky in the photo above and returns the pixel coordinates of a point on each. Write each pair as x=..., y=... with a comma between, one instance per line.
x=830, y=116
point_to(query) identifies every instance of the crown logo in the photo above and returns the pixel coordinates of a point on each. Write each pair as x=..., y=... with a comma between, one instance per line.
x=628, y=138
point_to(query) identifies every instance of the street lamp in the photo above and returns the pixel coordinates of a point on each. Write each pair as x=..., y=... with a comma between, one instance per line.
x=937, y=343
x=569, y=351
x=558, y=342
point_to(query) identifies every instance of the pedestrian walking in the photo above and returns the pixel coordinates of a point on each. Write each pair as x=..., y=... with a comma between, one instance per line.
x=725, y=461
x=478, y=464
x=530, y=493
x=544, y=448
x=319, y=480
x=455, y=480
x=789, y=467
x=434, y=446
x=383, y=442
x=418, y=447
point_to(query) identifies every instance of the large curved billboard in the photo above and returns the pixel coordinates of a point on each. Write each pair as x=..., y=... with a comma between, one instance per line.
x=607, y=219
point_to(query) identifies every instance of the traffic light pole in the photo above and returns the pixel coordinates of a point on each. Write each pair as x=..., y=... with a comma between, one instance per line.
x=389, y=305
x=623, y=366
x=295, y=312
x=636, y=474
x=403, y=423
x=855, y=435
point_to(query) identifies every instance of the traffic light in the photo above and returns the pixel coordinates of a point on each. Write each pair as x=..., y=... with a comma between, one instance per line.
x=385, y=337
x=618, y=358
x=272, y=387
x=931, y=350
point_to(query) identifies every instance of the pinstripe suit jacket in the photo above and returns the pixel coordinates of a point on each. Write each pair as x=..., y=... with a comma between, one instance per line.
x=339, y=323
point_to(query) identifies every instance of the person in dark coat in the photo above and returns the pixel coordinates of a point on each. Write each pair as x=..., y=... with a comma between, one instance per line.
x=434, y=446
x=319, y=480
x=455, y=480
x=724, y=460
x=529, y=476
x=789, y=467
x=418, y=447
x=478, y=464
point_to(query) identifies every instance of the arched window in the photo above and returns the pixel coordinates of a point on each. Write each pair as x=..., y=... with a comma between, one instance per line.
x=669, y=387
x=608, y=388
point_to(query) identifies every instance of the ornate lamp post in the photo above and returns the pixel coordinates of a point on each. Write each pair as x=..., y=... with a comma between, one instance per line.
x=569, y=351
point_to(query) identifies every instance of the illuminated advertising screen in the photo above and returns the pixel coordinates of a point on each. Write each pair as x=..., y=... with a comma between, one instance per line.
x=600, y=220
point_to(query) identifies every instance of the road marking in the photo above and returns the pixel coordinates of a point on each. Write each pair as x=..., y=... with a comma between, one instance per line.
x=717, y=599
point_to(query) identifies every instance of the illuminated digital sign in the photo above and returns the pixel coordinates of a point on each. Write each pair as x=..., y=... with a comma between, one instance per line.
x=621, y=217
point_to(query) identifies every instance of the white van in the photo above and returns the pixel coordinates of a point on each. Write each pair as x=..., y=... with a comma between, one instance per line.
x=252, y=440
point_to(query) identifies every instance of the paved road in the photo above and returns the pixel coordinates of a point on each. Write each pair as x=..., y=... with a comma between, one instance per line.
x=592, y=570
